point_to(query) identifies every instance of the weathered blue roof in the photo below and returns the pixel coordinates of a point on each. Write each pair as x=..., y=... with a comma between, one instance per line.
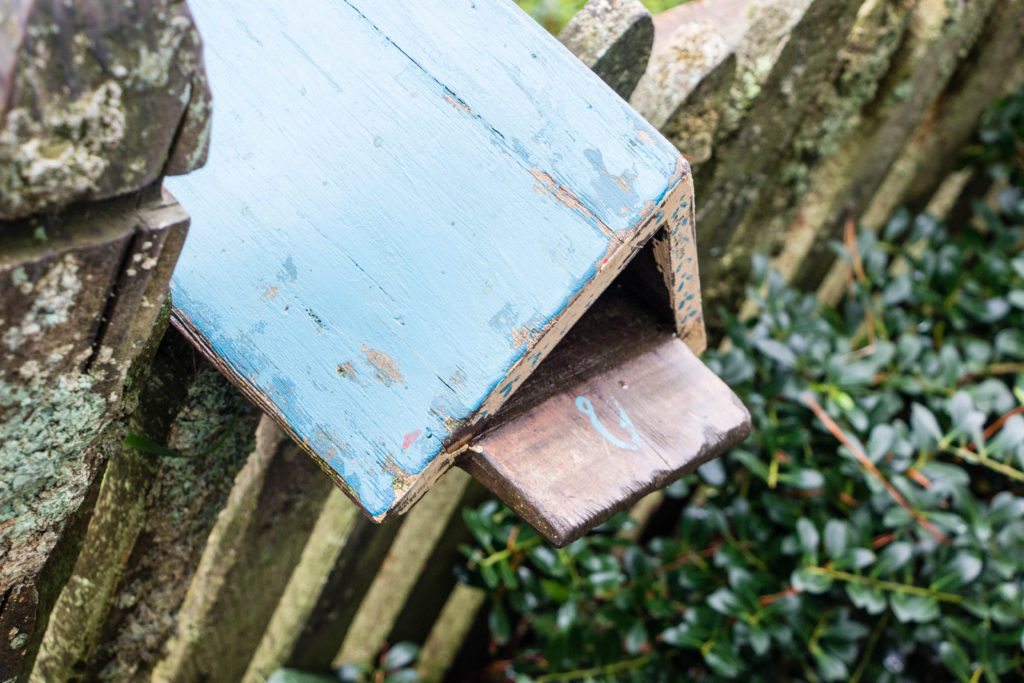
x=400, y=199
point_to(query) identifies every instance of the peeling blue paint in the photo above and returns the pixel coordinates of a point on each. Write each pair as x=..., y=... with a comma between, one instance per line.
x=378, y=192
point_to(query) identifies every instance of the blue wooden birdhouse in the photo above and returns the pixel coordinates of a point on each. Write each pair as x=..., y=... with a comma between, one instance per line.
x=427, y=235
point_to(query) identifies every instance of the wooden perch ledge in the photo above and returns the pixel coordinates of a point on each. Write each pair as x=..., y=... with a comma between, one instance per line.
x=393, y=231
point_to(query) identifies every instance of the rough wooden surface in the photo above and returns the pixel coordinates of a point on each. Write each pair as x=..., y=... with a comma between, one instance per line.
x=414, y=548
x=620, y=409
x=257, y=540
x=155, y=509
x=449, y=633
x=213, y=435
x=613, y=38
x=97, y=99
x=349, y=345
x=993, y=68
x=306, y=583
x=317, y=639
x=937, y=37
x=688, y=86
x=81, y=301
x=120, y=512
x=745, y=162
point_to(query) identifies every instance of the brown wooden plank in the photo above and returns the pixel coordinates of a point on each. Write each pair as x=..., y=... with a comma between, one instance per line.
x=620, y=409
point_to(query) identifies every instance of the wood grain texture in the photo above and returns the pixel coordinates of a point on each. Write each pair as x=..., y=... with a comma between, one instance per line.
x=620, y=409
x=393, y=230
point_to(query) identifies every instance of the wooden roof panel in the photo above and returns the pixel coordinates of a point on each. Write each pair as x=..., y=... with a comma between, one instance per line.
x=401, y=201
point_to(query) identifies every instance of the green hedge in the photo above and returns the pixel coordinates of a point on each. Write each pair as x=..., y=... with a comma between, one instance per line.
x=871, y=529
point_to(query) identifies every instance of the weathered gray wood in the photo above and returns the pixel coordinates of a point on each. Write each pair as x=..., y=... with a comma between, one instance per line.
x=995, y=67
x=938, y=36
x=256, y=542
x=834, y=108
x=613, y=38
x=420, y=544
x=449, y=632
x=620, y=409
x=687, y=91
x=734, y=178
x=305, y=586
x=324, y=629
x=436, y=581
x=208, y=434
x=83, y=607
x=81, y=301
x=97, y=99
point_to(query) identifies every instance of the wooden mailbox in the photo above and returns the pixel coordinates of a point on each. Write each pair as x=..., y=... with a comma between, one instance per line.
x=407, y=208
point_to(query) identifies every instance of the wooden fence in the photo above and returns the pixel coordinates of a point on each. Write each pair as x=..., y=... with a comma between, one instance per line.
x=153, y=526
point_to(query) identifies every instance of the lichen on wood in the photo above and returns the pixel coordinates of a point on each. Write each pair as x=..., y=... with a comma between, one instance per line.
x=613, y=38
x=96, y=100
x=210, y=437
x=255, y=543
x=73, y=322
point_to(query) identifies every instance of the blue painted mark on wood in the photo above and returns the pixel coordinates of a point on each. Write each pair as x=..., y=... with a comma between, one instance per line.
x=383, y=213
x=585, y=406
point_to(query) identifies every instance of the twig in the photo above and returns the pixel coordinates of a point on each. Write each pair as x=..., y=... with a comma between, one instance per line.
x=916, y=475
x=998, y=424
x=891, y=586
x=606, y=669
x=850, y=242
x=870, y=649
x=766, y=600
x=866, y=463
x=984, y=461
x=994, y=369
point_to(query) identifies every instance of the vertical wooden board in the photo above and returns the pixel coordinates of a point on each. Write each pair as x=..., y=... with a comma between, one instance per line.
x=393, y=586
x=613, y=38
x=938, y=36
x=365, y=198
x=446, y=639
x=326, y=543
x=621, y=409
x=208, y=440
x=992, y=69
x=80, y=611
x=836, y=107
x=745, y=164
x=323, y=630
x=434, y=584
x=252, y=549
x=74, y=317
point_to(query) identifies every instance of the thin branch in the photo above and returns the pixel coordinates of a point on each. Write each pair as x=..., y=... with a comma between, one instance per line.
x=606, y=669
x=866, y=463
x=984, y=461
x=998, y=424
x=891, y=586
x=869, y=651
